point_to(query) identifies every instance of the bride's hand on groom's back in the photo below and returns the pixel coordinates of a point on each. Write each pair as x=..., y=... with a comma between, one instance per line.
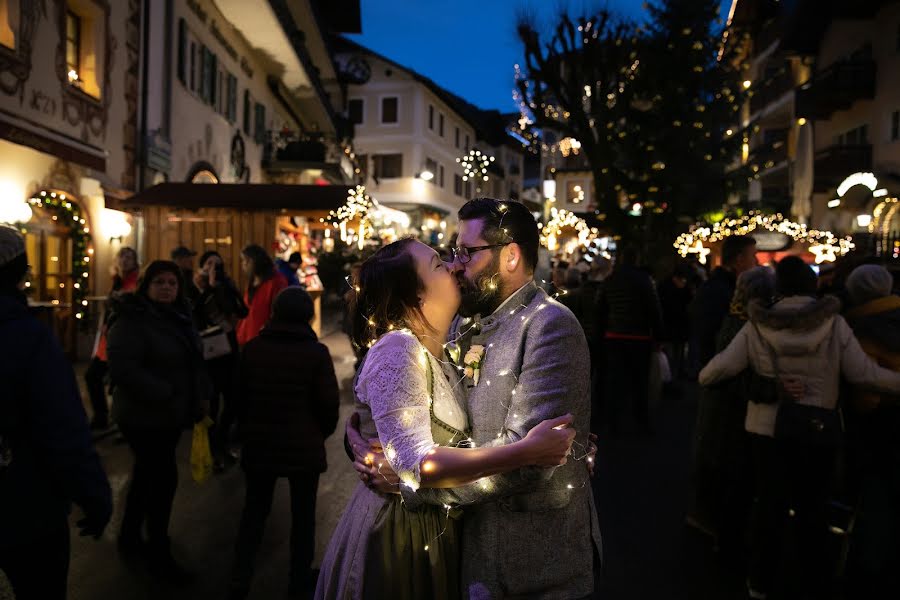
x=550, y=441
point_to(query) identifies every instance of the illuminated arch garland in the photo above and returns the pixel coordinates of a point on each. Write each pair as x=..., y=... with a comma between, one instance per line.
x=70, y=215
x=561, y=219
x=824, y=244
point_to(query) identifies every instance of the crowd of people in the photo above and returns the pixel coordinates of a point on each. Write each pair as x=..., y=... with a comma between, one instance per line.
x=796, y=454
x=177, y=343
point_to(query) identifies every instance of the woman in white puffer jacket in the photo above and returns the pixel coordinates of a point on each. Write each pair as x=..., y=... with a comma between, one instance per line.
x=814, y=347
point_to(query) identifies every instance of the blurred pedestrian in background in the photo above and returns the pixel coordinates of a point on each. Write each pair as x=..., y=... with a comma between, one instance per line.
x=218, y=310
x=288, y=268
x=125, y=280
x=632, y=323
x=263, y=284
x=161, y=388
x=288, y=406
x=799, y=340
x=873, y=424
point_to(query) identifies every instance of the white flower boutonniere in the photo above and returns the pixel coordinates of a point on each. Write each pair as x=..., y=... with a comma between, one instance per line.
x=472, y=362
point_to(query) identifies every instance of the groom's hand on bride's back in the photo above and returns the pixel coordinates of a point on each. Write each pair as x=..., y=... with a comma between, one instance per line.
x=550, y=441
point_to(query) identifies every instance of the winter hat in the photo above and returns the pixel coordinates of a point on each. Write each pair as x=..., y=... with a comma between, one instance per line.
x=12, y=244
x=293, y=305
x=793, y=277
x=869, y=282
x=756, y=284
x=13, y=261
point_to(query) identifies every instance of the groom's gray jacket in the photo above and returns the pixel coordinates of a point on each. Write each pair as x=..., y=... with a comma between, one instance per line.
x=531, y=533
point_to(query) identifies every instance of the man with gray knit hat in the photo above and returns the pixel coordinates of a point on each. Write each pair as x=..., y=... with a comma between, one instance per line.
x=47, y=458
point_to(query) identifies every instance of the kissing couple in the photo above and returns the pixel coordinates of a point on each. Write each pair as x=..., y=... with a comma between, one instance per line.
x=474, y=392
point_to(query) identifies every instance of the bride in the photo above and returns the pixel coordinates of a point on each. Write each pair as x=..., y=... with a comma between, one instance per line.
x=409, y=395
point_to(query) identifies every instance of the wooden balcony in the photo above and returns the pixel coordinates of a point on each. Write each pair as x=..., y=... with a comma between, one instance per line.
x=773, y=151
x=836, y=88
x=770, y=90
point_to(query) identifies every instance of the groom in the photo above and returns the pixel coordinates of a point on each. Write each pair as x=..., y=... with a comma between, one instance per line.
x=532, y=533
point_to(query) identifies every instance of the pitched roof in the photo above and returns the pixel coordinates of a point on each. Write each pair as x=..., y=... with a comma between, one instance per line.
x=489, y=125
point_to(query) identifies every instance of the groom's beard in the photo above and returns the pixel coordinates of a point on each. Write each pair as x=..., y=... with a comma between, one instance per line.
x=477, y=296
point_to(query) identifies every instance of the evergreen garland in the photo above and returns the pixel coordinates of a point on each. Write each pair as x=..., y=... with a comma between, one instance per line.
x=69, y=214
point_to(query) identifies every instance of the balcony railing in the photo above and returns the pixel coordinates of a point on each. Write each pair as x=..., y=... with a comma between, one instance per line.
x=771, y=152
x=770, y=90
x=834, y=163
x=289, y=151
x=836, y=88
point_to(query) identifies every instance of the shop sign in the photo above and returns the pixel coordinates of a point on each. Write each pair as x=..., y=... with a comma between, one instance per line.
x=771, y=241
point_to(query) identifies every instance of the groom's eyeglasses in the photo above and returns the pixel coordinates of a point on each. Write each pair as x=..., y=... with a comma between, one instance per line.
x=464, y=253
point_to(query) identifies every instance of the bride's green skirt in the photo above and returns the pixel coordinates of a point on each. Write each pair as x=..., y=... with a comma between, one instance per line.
x=413, y=554
x=378, y=551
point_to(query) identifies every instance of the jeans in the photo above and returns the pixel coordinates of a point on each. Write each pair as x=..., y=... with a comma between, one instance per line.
x=94, y=377
x=39, y=568
x=258, y=504
x=154, y=479
x=627, y=375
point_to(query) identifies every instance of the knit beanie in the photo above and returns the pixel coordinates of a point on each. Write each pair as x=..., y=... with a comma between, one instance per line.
x=292, y=305
x=869, y=282
x=793, y=277
x=12, y=244
x=13, y=261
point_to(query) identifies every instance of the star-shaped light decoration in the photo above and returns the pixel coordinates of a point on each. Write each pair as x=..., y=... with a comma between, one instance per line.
x=824, y=253
x=700, y=251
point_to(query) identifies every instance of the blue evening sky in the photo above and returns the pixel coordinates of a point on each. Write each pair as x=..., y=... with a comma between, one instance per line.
x=467, y=46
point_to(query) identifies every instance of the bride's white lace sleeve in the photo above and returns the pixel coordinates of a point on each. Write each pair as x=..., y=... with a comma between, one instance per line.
x=393, y=383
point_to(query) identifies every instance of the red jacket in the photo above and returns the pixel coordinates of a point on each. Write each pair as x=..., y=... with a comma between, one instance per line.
x=260, y=308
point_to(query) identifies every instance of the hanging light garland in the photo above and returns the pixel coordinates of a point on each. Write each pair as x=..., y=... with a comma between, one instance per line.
x=824, y=244
x=475, y=165
x=68, y=214
x=357, y=210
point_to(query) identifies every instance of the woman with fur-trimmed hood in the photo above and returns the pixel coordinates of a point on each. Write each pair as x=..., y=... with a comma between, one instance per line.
x=814, y=347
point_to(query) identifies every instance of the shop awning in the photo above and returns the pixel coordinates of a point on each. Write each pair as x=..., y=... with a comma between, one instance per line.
x=243, y=196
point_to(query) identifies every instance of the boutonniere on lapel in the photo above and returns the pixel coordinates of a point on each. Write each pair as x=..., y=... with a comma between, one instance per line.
x=472, y=362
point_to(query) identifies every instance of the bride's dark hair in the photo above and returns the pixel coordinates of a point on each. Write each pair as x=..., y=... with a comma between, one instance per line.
x=387, y=295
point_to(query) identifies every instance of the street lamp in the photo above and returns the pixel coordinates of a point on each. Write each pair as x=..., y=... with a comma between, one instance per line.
x=426, y=175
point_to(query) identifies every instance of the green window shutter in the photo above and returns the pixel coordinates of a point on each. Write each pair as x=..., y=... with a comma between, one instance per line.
x=213, y=78
x=246, y=112
x=182, y=51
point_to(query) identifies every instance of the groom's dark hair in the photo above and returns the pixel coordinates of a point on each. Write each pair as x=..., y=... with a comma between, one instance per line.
x=505, y=221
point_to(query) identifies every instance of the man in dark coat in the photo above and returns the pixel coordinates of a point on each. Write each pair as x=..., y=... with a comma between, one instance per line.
x=632, y=319
x=47, y=459
x=288, y=406
x=711, y=303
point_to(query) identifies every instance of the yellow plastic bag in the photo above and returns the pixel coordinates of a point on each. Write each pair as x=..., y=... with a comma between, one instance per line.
x=201, y=457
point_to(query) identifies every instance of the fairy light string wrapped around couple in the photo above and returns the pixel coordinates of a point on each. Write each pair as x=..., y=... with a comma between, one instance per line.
x=451, y=357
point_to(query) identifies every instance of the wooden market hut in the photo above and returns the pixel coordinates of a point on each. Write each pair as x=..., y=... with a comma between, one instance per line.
x=226, y=217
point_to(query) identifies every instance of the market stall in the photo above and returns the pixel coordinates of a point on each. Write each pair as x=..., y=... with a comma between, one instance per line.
x=775, y=236
x=226, y=217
